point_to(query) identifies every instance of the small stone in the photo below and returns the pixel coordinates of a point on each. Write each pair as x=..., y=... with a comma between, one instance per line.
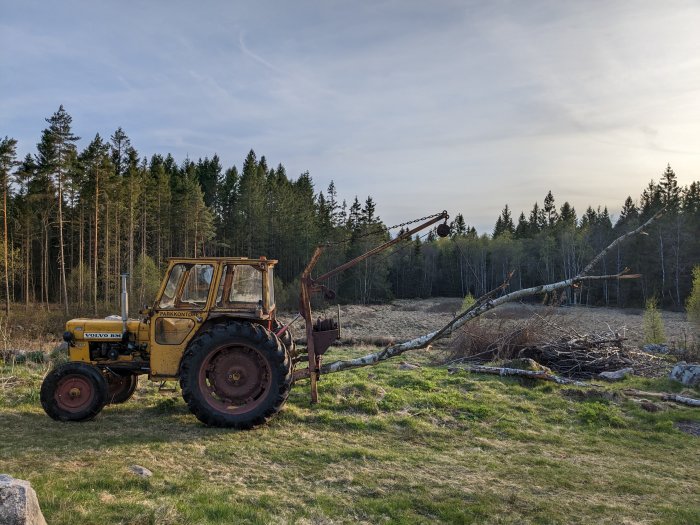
x=656, y=349
x=616, y=375
x=18, y=503
x=140, y=471
x=686, y=373
x=408, y=366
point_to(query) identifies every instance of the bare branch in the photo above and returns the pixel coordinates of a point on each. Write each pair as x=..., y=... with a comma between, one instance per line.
x=620, y=239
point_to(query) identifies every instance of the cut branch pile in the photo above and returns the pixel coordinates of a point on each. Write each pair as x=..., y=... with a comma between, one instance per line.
x=586, y=356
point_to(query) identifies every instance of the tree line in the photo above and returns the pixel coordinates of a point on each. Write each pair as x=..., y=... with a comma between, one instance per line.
x=74, y=220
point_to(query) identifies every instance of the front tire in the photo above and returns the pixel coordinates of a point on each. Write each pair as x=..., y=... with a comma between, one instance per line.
x=235, y=375
x=74, y=391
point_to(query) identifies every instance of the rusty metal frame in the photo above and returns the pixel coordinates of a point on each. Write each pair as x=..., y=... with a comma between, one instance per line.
x=309, y=285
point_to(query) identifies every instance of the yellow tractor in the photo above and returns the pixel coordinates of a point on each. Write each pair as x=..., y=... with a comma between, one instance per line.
x=213, y=327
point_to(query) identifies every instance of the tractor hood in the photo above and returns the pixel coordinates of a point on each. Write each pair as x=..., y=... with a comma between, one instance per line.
x=109, y=329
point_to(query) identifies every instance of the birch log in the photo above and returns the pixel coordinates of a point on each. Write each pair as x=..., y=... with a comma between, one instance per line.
x=482, y=305
x=683, y=400
x=532, y=374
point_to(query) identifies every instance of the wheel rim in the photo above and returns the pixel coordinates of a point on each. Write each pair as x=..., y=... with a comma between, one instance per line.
x=234, y=379
x=74, y=393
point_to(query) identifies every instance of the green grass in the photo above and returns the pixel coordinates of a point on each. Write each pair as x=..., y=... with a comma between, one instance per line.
x=383, y=446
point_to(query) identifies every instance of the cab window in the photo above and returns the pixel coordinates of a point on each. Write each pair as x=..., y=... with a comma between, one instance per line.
x=188, y=286
x=241, y=285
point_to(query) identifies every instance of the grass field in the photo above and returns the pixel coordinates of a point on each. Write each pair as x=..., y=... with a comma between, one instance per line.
x=384, y=445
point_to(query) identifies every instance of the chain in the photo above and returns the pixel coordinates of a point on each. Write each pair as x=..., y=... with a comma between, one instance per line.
x=381, y=229
x=417, y=220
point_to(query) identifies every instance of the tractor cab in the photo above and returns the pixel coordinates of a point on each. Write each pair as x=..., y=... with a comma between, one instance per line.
x=198, y=292
x=235, y=285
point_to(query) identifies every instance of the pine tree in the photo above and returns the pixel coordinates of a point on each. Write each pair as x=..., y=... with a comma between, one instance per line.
x=567, y=215
x=333, y=205
x=56, y=151
x=550, y=210
x=368, y=212
x=629, y=213
x=692, y=305
x=670, y=192
x=653, y=324
x=522, y=230
x=537, y=219
x=8, y=160
x=354, y=215
x=504, y=223
x=458, y=228
x=96, y=163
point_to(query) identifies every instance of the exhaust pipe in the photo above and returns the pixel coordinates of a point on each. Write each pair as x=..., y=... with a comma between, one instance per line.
x=125, y=302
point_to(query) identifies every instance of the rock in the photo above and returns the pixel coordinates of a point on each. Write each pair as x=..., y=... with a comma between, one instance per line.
x=140, y=471
x=62, y=347
x=18, y=503
x=590, y=395
x=655, y=349
x=525, y=363
x=649, y=406
x=408, y=366
x=616, y=375
x=686, y=373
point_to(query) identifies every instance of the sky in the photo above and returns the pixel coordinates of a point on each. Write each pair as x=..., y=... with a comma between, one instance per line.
x=457, y=105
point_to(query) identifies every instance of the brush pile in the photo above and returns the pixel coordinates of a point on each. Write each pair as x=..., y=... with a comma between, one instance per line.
x=560, y=348
x=586, y=356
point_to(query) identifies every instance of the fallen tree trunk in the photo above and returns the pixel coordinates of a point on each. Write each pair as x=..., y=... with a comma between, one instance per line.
x=683, y=400
x=482, y=305
x=532, y=374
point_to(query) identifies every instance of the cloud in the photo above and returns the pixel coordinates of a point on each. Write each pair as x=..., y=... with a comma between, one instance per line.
x=467, y=106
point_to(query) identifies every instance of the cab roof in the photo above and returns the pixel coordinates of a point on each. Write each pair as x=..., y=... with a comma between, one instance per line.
x=225, y=260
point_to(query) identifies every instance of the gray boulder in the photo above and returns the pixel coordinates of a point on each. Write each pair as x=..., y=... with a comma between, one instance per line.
x=616, y=375
x=686, y=373
x=18, y=503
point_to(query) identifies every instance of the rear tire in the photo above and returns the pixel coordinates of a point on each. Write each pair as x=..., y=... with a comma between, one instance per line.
x=235, y=375
x=287, y=338
x=74, y=391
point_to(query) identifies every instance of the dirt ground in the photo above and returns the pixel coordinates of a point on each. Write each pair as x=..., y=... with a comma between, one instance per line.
x=407, y=318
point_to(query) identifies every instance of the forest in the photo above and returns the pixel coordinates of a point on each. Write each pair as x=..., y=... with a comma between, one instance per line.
x=74, y=220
